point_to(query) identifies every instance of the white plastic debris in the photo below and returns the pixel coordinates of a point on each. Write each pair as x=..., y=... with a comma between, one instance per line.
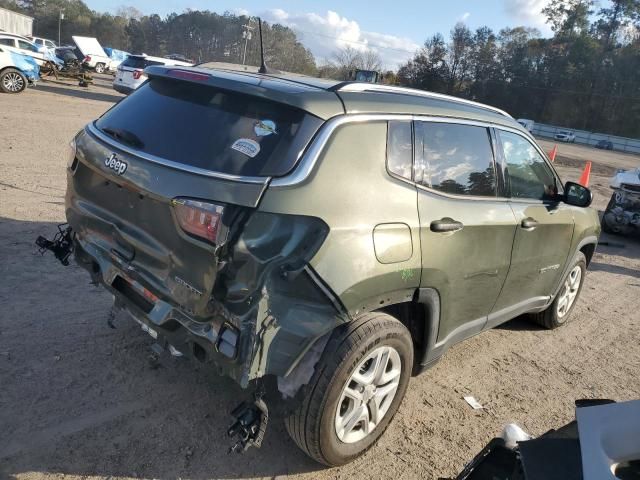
x=174, y=351
x=473, y=403
x=512, y=434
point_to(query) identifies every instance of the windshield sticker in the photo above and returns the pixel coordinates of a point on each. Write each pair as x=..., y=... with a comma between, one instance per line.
x=264, y=127
x=247, y=146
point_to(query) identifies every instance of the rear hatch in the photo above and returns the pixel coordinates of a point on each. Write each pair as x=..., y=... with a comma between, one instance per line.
x=161, y=182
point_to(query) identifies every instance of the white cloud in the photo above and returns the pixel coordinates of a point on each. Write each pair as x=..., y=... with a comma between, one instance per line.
x=324, y=34
x=240, y=12
x=464, y=17
x=528, y=12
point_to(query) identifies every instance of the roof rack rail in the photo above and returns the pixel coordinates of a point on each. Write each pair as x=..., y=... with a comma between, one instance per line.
x=372, y=87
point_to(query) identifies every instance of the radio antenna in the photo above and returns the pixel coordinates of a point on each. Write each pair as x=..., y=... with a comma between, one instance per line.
x=263, y=64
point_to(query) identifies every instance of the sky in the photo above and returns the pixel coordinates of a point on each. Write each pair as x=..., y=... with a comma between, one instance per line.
x=395, y=29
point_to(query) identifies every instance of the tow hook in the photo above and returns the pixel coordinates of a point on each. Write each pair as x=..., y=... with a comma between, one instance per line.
x=61, y=245
x=250, y=423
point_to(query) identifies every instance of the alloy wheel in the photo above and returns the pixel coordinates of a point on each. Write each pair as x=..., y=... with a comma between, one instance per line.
x=13, y=82
x=569, y=291
x=368, y=394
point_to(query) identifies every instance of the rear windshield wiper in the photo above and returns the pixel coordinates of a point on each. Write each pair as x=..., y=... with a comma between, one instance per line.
x=124, y=136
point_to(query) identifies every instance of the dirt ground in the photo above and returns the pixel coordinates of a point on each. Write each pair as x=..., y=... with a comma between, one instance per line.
x=81, y=400
x=606, y=160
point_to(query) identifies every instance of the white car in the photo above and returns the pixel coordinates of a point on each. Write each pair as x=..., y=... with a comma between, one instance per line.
x=526, y=123
x=130, y=74
x=21, y=45
x=94, y=55
x=16, y=71
x=43, y=42
x=565, y=136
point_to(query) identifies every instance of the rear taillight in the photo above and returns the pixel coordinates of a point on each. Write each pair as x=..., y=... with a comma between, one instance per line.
x=201, y=219
x=137, y=74
x=87, y=59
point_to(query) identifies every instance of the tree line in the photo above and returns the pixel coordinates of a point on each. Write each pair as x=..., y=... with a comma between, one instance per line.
x=586, y=76
x=199, y=35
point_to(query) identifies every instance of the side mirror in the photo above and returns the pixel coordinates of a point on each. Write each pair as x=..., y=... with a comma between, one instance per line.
x=576, y=194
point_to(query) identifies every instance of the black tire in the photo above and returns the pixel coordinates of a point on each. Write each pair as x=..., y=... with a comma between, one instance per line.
x=12, y=81
x=312, y=425
x=550, y=318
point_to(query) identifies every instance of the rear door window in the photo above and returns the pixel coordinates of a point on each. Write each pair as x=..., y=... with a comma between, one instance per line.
x=455, y=159
x=27, y=46
x=400, y=148
x=208, y=128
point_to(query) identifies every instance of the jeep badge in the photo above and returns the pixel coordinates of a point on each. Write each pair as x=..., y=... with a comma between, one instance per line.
x=114, y=164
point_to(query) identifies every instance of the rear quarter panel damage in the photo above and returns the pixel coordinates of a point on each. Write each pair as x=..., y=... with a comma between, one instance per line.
x=352, y=192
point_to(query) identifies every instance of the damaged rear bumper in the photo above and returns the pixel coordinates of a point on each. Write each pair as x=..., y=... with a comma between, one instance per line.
x=265, y=335
x=213, y=340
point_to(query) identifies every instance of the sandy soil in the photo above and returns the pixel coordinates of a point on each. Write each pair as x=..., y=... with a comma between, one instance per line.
x=82, y=400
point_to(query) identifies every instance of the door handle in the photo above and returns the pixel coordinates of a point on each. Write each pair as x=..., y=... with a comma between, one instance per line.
x=529, y=223
x=445, y=225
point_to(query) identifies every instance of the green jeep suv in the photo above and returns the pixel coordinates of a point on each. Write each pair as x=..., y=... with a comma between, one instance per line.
x=336, y=237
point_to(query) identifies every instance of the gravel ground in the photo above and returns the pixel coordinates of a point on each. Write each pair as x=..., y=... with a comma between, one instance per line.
x=82, y=400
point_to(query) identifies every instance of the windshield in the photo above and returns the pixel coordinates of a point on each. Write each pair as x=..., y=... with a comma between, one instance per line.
x=209, y=128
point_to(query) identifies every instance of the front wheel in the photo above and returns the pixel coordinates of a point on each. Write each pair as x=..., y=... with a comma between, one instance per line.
x=558, y=312
x=355, y=391
x=99, y=67
x=12, y=81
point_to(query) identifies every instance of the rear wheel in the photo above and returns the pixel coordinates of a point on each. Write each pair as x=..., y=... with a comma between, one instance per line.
x=558, y=312
x=357, y=388
x=12, y=81
x=100, y=67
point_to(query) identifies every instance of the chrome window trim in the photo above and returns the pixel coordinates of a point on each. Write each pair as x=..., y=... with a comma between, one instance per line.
x=310, y=157
x=93, y=131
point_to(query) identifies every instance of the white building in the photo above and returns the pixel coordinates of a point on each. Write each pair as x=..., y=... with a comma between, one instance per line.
x=14, y=22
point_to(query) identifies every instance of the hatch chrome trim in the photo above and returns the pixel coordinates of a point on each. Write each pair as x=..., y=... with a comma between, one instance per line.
x=93, y=131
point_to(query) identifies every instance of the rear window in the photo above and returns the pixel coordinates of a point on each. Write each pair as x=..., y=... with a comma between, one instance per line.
x=139, y=62
x=217, y=130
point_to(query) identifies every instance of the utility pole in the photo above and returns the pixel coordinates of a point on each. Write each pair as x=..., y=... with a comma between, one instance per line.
x=60, y=18
x=246, y=34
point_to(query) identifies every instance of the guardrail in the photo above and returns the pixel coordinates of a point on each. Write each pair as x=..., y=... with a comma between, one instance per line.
x=621, y=144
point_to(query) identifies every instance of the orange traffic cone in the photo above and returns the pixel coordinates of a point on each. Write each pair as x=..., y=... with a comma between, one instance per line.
x=584, y=178
x=552, y=153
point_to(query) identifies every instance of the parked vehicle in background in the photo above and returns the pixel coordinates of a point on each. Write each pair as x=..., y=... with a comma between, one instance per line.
x=231, y=246
x=605, y=145
x=180, y=58
x=622, y=215
x=130, y=74
x=116, y=56
x=43, y=42
x=23, y=46
x=565, y=136
x=94, y=55
x=17, y=71
x=526, y=123
x=68, y=54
